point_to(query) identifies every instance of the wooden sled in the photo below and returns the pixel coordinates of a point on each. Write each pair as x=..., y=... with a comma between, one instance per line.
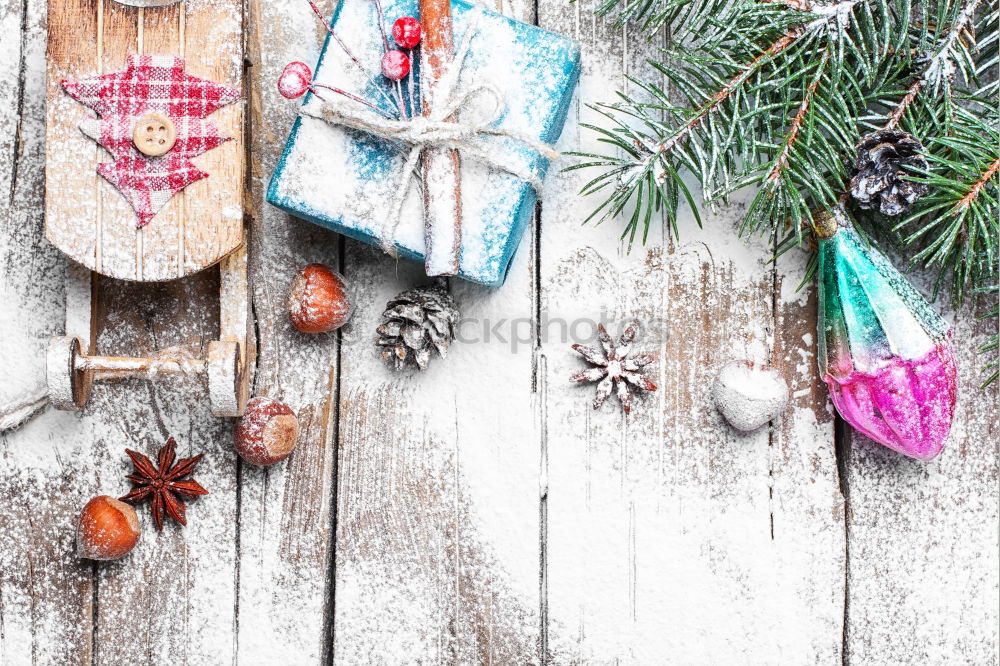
x=94, y=225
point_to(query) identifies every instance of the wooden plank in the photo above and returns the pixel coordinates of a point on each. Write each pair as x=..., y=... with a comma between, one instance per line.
x=670, y=538
x=184, y=580
x=808, y=509
x=286, y=512
x=204, y=223
x=71, y=157
x=437, y=551
x=161, y=242
x=213, y=206
x=55, y=608
x=923, y=574
x=120, y=245
x=183, y=313
x=45, y=592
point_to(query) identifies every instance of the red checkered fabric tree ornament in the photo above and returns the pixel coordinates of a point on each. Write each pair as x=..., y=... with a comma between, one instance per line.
x=152, y=86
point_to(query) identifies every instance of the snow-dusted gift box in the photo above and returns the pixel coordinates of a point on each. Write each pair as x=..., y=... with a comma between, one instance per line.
x=346, y=179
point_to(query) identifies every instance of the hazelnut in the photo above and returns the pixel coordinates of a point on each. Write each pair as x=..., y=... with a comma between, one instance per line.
x=318, y=301
x=267, y=432
x=108, y=529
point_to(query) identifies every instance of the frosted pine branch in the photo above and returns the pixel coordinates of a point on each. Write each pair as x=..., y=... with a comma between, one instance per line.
x=967, y=200
x=723, y=93
x=940, y=65
x=777, y=94
x=781, y=163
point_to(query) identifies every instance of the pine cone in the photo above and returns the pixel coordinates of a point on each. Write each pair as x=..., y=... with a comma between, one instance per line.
x=877, y=178
x=416, y=322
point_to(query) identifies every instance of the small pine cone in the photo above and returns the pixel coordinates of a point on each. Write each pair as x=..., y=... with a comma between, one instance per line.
x=417, y=322
x=877, y=179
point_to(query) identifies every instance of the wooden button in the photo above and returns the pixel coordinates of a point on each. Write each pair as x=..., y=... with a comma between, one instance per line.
x=154, y=134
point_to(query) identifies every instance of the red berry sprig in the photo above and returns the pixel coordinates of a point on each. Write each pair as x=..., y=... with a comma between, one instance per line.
x=295, y=80
x=406, y=32
x=395, y=65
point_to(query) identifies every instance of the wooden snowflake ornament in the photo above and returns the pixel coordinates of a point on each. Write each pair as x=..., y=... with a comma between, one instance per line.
x=615, y=367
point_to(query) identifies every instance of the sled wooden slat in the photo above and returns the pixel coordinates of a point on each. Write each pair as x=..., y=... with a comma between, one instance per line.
x=161, y=31
x=71, y=180
x=213, y=220
x=85, y=216
x=117, y=238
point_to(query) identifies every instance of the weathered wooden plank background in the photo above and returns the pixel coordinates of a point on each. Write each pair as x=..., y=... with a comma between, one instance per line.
x=481, y=512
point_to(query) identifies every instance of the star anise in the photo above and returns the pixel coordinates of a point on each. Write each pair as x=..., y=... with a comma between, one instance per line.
x=163, y=482
x=615, y=366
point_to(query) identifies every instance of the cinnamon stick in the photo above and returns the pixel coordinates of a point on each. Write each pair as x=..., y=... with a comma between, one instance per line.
x=440, y=167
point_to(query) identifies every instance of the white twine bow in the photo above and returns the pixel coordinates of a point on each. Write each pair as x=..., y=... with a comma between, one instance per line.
x=437, y=131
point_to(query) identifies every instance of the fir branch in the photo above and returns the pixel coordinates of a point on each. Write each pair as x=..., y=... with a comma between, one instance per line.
x=992, y=344
x=723, y=93
x=940, y=66
x=956, y=226
x=904, y=104
x=776, y=94
x=969, y=198
x=781, y=162
x=681, y=15
x=798, y=5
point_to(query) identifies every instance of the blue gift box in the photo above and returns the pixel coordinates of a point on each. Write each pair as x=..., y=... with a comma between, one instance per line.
x=346, y=179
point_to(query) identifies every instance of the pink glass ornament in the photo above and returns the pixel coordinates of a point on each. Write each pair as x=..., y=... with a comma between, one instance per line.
x=884, y=353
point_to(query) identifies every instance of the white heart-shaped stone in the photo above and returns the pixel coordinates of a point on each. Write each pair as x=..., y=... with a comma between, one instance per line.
x=749, y=395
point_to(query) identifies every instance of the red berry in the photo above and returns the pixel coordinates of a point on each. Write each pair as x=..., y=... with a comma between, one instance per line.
x=318, y=301
x=395, y=65
x=295, y=80
x=406, y=32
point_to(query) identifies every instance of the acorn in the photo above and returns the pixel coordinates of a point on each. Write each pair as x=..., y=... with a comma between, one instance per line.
x=108, y=529
x=267, y=432
x=318, y=301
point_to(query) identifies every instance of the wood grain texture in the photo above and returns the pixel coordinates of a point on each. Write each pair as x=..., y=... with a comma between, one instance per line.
x=668, y=533
x=120, y=245
x=86, y=216
x=70, y=157
x=160, y=31
x=286, y=511
x=437, y=555
x=480, y=512
x=55, y=608
x=923, y=574
x=181, y=579
x=45, y=592
x=213, y=206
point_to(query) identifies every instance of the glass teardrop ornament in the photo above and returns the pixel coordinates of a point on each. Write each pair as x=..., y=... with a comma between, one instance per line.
x=883, y=351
